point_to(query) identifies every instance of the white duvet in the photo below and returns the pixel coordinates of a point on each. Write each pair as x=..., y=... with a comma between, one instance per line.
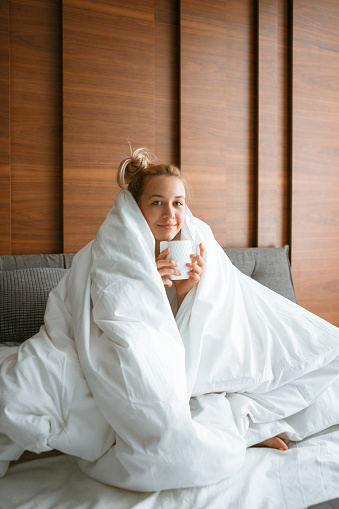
x=147, y=402
x=306, y=474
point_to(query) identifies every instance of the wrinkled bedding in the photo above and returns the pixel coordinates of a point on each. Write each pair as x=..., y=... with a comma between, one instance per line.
x=149, y=402
x=307, y=474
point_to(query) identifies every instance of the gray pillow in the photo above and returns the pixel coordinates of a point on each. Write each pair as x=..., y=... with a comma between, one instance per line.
x=24, y=295
x=269, y=266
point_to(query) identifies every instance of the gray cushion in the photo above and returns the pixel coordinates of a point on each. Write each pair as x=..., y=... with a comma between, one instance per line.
x=23, y=301
x=16, y=262
x=269, y=266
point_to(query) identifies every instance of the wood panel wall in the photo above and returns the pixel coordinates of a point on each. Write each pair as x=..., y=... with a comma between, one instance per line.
x=227, y=89
x=5, y=172
x=315, y=195
x=35, y=145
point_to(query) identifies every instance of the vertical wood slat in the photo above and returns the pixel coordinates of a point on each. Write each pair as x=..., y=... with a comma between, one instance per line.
x=108, y=55
x=284, y=141
x=167, y=84
x=315, y=192
x=273, y=227
x=217, y=115
x=267, y=122
x=203, y=108
x=241, y=107
x=35, y=117
x=5, y=173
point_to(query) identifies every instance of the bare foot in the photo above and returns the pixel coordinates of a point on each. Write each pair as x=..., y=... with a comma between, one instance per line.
x=274, y=443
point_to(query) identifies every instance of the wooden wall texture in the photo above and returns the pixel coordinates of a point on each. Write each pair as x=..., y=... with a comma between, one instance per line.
x=315, y=156
x=243, y=95
x=31, y=126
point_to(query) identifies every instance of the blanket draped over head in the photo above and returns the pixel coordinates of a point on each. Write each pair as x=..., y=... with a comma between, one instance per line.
x=147, y=401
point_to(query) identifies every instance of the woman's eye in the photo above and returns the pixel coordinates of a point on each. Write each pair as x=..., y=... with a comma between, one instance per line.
x=177, y=203
x=156, y=202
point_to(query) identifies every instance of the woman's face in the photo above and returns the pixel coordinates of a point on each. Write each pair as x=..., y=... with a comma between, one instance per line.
x=163, y=206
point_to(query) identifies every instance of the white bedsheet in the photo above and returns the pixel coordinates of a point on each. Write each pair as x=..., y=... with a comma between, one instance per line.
x=148, y=402
x=307, y=474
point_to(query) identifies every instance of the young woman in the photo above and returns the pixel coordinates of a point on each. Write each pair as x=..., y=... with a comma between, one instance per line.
x=160, y=190
x=150, y=401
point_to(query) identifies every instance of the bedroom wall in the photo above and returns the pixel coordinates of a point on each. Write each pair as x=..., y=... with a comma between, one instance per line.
x=242, y=94
x=30, y=126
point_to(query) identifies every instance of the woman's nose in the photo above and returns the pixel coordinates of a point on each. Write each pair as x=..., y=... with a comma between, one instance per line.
x=169, y=212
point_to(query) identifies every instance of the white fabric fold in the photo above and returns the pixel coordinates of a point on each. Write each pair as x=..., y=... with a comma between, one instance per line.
x=150, y=402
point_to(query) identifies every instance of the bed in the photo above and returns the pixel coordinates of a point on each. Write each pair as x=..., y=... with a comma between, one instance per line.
x=305, y=475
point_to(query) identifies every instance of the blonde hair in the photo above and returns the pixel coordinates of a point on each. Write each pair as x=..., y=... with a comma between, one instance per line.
x=135, y=170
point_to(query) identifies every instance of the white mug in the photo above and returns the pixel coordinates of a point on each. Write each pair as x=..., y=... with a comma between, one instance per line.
x=180, y=251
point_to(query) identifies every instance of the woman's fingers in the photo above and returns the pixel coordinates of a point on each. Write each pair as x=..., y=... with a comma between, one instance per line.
x=194, y=275
x=166, y=263
x=195, y=268
x=166, y=267
x=195, y=272
x=197, y=264
x=163, y=254
x=199, y=258
x=202, y=252
x=169, y=272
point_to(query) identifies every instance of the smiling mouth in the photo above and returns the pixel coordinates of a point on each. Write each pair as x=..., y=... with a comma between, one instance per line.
x=167, y=226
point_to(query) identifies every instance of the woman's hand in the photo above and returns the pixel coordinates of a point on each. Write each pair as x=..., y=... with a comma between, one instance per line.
x=183, y=286
x=166, y=267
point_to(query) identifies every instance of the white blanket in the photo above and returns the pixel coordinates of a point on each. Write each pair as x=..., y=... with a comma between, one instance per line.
x=306, y=474
x=147, y=402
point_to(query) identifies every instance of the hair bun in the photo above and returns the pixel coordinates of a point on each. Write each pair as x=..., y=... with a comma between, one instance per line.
x=140, y=159
x=129, y=167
